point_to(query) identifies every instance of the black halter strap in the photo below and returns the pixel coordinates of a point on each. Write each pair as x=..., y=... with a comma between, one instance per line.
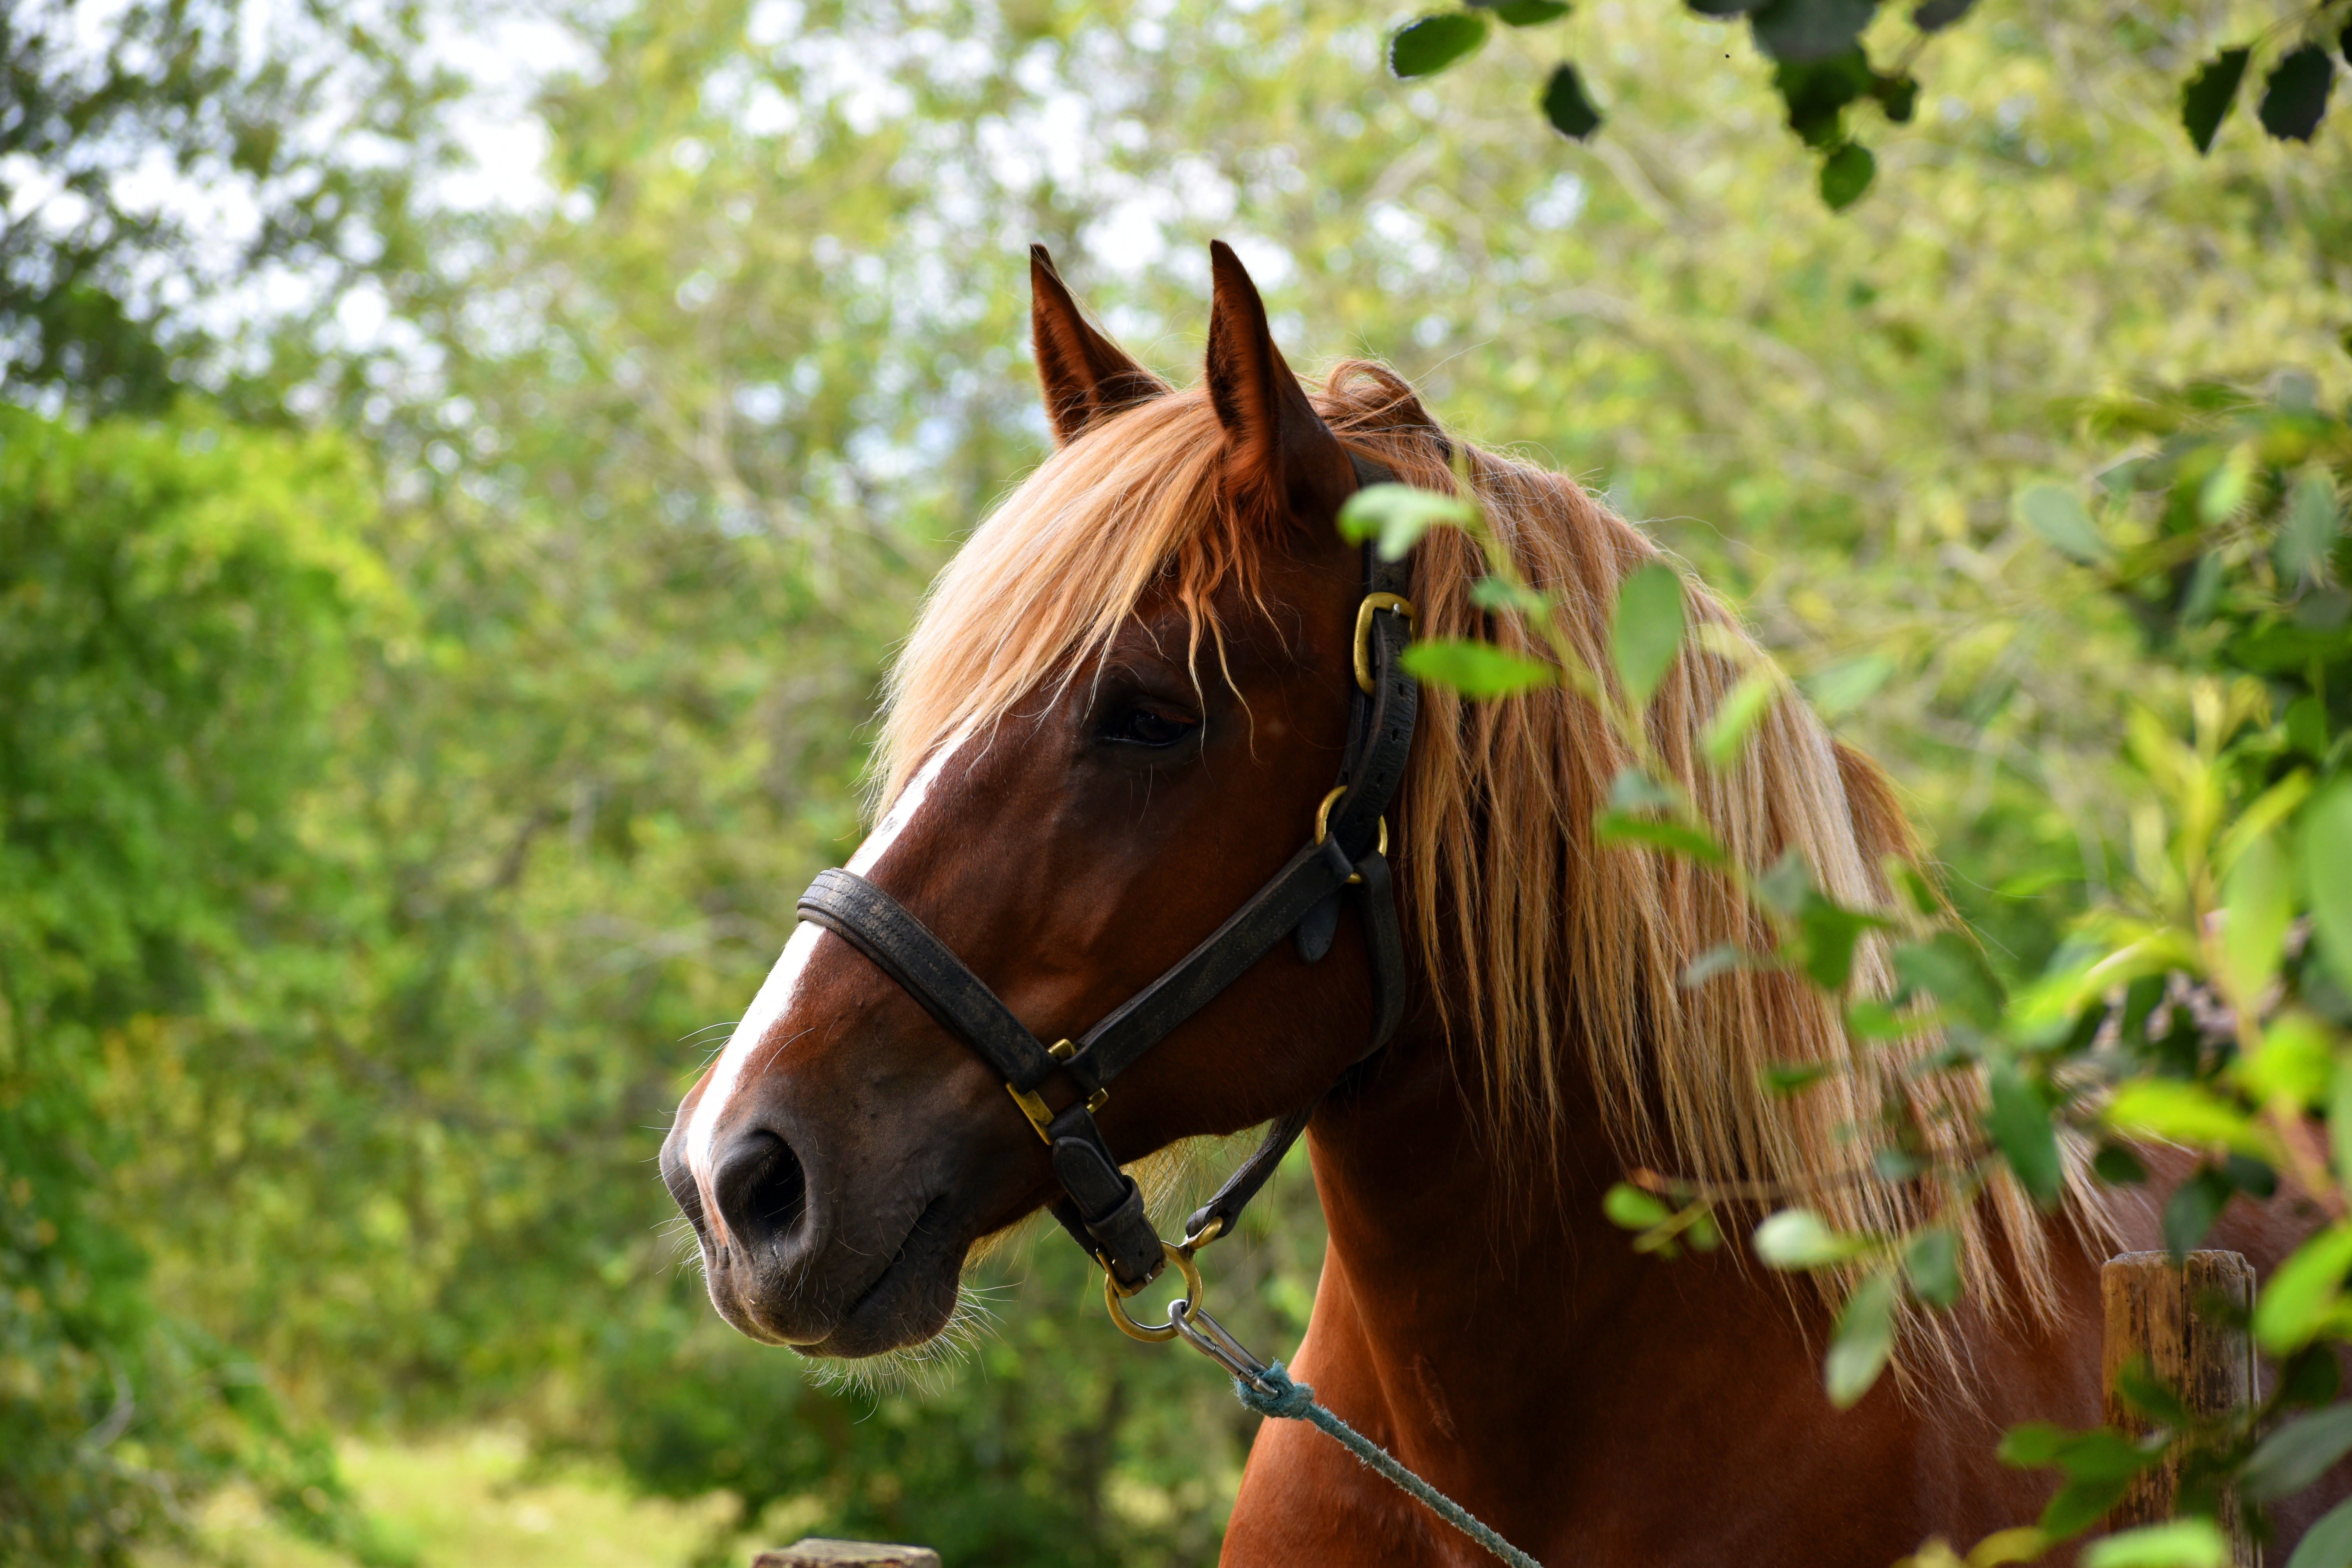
x=1347, y=858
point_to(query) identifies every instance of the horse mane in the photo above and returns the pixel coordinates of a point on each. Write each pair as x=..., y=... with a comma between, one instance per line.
x=1559, y=963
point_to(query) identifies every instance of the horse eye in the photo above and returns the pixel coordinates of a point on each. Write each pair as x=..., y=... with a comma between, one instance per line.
x=1145, y=726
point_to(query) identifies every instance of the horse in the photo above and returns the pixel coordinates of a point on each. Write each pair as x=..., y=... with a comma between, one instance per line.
x=1118, y=712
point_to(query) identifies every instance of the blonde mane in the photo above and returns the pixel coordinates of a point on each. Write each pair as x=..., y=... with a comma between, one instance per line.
x=1559, y=963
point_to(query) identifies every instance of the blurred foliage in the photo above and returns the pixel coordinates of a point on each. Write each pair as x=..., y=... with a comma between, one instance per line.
x=160, y=159
x=1830, y=57
x=176, y=610
x=658, y=461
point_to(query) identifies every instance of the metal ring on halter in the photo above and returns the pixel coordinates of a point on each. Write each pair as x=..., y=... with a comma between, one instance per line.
x=1323, y=827
x=1213, y=1340
x=1374, y=604
x=1152, y=1333
x=1196, y=1239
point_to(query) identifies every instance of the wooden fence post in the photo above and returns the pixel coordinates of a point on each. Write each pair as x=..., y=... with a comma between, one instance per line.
x=815, y=1554
x=2160, y=1312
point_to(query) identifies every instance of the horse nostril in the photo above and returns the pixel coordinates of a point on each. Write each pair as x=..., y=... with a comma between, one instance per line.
x=760, y=1188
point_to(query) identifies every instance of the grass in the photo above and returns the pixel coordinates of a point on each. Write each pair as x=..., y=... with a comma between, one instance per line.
x=467, y=1500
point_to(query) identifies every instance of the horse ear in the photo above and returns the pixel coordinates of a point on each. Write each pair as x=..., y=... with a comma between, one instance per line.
x=1277, y=445
x=1086, y=376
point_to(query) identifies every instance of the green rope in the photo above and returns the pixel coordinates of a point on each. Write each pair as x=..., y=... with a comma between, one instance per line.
x=1277, y=1393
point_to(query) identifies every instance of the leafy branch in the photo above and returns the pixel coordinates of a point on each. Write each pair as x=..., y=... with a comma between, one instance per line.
x=2210, y=1007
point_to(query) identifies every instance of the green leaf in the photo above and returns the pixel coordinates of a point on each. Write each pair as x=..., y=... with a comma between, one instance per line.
x=1524, y=13
x=2118, y=1166
x=1788, y=887
x=1829, y=932
x=2295, y=97
x=1432, y=43
x=2302, y=1291
x=2314, y=521
x=2099, y=1464
x=2019, y=1126
x=1949, y=967
x=2224, y=489
x=1915, y=889
x=2295, y=1062
x=2329, y=1543
x=1932, y=1264
x=1935, y=15
x=2207, y=99
x=2032, y=1445
x=2191, y=1210
x=2258, y=906
x=1633, y=790
x=2178, y=1112
x=1863, y=1340
x=1721, y=959
x=1845, y=175
x=2055, y=512
x=2327, y=876
x=1618, y=827
x=1647, y=631
x=1872, y=1019
x=1845, y=686
x=1800, y=1239
x=1808, y=30
x=1398, y=515
x=1793, y=1078
x=1630, y=1208
x=1476, y=669
x=2295, y=1456
x=2137, y=1382
x=2339, y=1113
x=2101, y=1453
x=1739, y=714
x=1817, y=92
x=2309, y=1379
x=1502, y=593
x=2178, y=1543
x=1568, y=106
x=2082, y=1503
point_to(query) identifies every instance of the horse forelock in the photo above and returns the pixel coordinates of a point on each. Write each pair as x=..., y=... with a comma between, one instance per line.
x=1558, y=958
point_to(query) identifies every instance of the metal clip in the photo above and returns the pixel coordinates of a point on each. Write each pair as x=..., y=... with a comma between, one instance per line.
x=1213, y=1340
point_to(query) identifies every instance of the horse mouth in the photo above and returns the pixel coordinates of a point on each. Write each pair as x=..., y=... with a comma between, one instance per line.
x=909, y=1302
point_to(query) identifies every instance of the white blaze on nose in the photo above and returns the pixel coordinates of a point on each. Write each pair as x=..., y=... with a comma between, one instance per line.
x=775, y=997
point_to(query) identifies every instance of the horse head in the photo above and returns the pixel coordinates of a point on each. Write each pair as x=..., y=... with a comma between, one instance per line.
x=1126, y=697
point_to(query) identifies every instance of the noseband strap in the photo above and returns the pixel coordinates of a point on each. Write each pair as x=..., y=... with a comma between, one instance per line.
x=1345, y=860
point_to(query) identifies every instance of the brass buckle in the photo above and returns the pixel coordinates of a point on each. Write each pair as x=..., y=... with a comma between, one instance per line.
x=1373, y=604
x=1152, y=1333
x=1323, y=827
x=1033, y=1105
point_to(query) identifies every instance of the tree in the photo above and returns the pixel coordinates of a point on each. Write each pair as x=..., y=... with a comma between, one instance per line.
x=180, y=599
x=1823, y=69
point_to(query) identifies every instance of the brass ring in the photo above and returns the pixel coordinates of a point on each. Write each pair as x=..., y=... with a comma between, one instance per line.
x=1151, y=1333
x=1323, y=822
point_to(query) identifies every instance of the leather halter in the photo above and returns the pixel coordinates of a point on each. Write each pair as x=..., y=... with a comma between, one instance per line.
x=1101, y=1206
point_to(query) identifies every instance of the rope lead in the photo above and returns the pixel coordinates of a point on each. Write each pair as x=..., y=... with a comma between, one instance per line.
x=1274, y=1392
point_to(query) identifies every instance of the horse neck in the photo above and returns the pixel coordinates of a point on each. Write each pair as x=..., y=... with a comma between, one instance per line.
x=1481, y=1319
x=1477, y=1305
x=1432, y=1222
